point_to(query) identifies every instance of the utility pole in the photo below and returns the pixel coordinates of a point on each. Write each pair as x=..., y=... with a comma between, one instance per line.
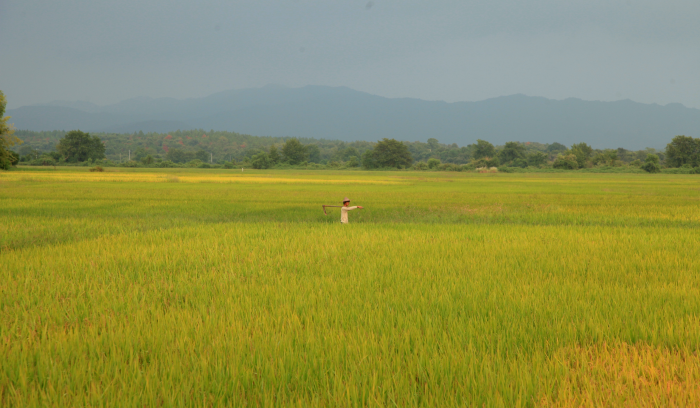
x=129, y=154
x=211, y=157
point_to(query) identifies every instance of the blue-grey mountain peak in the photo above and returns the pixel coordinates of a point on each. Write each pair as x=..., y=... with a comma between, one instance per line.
x=345, y=114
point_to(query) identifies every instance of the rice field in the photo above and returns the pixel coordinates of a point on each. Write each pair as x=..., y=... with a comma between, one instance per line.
x=199, y=287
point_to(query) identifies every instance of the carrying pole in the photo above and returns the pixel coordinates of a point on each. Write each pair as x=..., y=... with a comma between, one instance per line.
x=324, y=207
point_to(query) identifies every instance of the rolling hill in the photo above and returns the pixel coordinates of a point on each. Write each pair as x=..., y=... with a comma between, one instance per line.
x=344, y=114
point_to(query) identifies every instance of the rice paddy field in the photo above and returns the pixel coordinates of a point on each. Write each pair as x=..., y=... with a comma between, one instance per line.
x=216, y=287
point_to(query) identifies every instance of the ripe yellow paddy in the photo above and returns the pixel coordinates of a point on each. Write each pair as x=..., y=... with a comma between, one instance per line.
x=448, y=290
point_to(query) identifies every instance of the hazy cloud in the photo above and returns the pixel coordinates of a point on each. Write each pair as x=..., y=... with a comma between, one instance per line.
x=450, y=50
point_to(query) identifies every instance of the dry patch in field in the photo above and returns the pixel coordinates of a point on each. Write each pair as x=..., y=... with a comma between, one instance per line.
x=624, y=375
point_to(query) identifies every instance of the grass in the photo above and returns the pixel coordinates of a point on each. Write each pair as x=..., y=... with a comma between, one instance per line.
x=449, y=289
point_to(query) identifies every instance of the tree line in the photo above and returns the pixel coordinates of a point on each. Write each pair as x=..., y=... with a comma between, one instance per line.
x=197, y=148
x=8, y=157
x=77, y=147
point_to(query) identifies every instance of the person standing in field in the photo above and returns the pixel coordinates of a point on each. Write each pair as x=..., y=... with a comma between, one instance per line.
x=344, y=210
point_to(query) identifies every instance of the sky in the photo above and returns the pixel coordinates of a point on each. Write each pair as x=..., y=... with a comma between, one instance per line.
x=466, y=50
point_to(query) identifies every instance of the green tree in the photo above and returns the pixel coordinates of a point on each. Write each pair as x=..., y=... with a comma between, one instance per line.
x=353, y=161
x=261, y=161
x=511, y=151
x=392, y=153
x=294, y=152
x=600, y=158
x=566, y=162
x=368, y=159
x=519, y=163
x=202, y=156
x=77, y=146
x=434, y=163
x=7, y=138
x=345, y=154
x=483, y=149
x=582, y=152
x=139, y=154
x=556, y=147
x=536, y=159
x=274, y=155
x=434, y=145
x=683, y=150
x=192, y=163
x=651, y=164
x=612, y=156
x=314, y=153
x=179, y=156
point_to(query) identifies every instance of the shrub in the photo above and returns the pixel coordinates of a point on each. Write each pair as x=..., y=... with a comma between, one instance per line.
x=567, y=162
x=166, y=164
x=97, y=168
x=651, y=164
x=130, y=163
x=44, y=161
x=449, y=167
x=507, y=169
x=486, y=162
x=679, y=170
x=420, y=165
x=433, y=163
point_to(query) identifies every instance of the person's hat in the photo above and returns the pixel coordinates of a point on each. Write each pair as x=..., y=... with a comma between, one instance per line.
x=345, y=200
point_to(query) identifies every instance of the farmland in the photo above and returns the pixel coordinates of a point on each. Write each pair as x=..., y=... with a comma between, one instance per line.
x=207, y=287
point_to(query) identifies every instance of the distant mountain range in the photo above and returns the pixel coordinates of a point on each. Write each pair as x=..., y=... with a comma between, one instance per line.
x=344, y=114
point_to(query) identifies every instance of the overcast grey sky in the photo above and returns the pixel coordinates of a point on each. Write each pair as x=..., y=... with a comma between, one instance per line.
x=108, y=50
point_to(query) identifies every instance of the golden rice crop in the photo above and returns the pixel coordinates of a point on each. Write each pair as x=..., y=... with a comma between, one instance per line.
x=448, y=290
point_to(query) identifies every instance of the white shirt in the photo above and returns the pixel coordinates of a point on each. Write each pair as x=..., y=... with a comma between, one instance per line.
x=344, y=213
